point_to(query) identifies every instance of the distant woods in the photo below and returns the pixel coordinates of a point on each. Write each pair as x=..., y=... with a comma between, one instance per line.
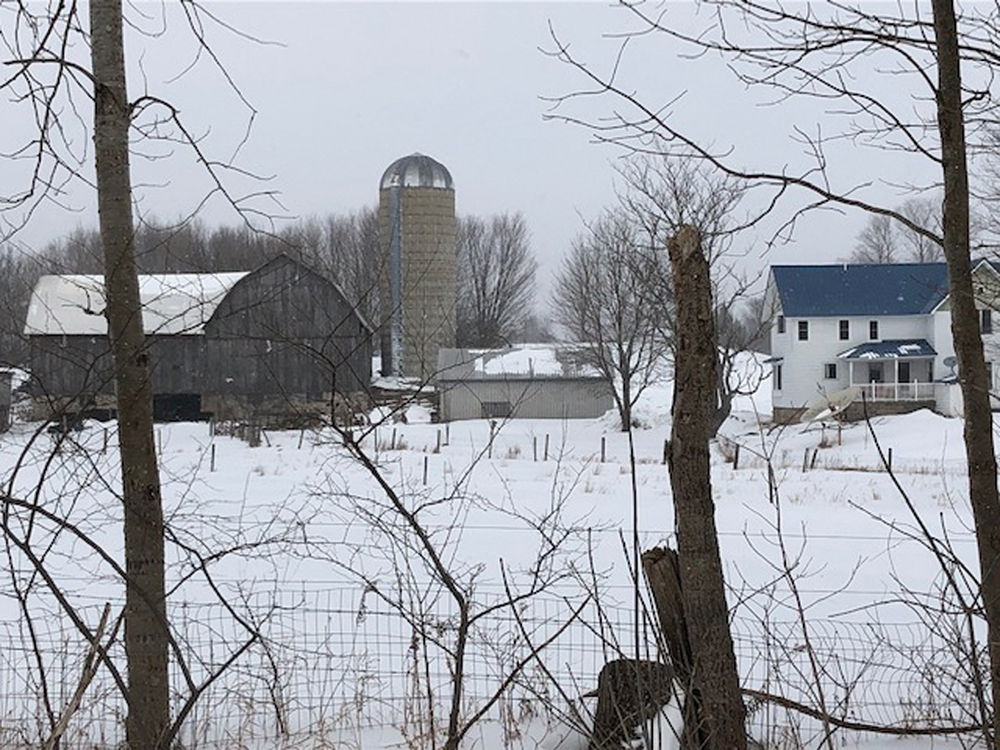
x=495, y=261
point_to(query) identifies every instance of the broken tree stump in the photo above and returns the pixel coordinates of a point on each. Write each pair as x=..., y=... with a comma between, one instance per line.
x=629, y=693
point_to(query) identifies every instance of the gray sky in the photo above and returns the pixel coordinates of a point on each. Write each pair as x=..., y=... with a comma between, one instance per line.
x=343, y=89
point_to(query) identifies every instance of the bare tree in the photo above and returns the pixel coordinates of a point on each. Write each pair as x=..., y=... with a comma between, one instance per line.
x=146, y=630
x=664, y=193
x=606, y=296
x=876, y=242
x=948, y=59
x=351, y=257
x=923, y=211
x=49, y=79
x=18, y=274
x=496, y=279
x=884, y=240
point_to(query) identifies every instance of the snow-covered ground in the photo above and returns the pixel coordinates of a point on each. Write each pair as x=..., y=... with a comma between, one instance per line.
x=296, y=540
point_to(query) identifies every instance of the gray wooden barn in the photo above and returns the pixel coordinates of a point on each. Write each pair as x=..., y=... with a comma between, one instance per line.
x=531, y=381
x=277, y=341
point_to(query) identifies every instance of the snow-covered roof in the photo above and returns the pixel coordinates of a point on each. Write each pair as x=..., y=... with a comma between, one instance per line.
x=171, y=303
x=890, y=349
x=523, y=361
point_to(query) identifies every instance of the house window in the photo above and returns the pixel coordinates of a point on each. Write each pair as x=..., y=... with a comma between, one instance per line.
x=803, y=330
x=989, y=376
x=830, y=371
x=986, y=321
x=845, y=330
x=781, y=324
x=777, y=377
x=873, y=329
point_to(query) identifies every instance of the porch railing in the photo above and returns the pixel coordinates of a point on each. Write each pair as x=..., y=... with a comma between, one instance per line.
x=898, y=391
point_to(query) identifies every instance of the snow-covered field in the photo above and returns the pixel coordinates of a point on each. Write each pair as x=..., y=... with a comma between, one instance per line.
x=295, y=541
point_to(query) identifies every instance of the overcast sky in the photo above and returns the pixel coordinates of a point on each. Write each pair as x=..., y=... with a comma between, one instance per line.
x=341, y=90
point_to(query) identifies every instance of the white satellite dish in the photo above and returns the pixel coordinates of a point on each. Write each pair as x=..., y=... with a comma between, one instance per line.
x=830, y=404
x=951, y=362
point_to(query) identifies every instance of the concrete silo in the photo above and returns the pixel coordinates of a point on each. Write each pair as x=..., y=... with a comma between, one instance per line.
x=417, y=286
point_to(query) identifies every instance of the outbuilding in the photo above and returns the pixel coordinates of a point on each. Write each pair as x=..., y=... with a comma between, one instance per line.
x=530, y=381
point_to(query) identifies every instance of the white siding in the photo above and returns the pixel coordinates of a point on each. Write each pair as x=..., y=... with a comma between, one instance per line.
x=804, y=361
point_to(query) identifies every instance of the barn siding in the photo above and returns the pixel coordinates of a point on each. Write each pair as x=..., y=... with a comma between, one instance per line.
x=286, y=329
x=72, y=366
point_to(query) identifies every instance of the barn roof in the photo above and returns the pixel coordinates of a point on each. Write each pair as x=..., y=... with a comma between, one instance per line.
x=860, y=289
x=171, y=303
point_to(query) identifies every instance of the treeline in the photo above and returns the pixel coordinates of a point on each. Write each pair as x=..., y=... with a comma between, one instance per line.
x=496, y=265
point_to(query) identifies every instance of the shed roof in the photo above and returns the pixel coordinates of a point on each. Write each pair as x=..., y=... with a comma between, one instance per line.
x=862, y=289
x=171, y=303
x=890, y=349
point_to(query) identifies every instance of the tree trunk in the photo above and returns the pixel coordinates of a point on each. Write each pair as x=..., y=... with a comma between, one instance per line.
x=965, y=331
x=714, y=679
x=146, y=635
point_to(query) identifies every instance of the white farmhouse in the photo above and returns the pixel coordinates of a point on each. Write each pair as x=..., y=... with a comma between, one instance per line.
x=883, y=331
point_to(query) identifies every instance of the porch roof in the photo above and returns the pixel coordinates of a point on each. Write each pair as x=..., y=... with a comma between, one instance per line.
x=890, y=349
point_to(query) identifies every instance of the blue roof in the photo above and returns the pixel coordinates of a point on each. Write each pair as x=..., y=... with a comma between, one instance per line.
x=890, y=349
x=862, y=289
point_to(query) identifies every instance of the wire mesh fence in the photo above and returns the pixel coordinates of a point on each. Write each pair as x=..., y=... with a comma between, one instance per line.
x=340, y=658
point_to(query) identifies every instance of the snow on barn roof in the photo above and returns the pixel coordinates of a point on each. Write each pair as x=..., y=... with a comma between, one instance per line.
x=171, y=303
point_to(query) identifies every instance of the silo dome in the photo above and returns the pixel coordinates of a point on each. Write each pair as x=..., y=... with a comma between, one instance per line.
x=417, y=170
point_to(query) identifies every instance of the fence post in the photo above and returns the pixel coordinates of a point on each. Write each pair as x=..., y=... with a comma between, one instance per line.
x=212, y=464
x=546, y=447
x=805, y=460
x=889, y=459
x=534, y=447
x=736, y=457
x=425, y=470
x=603, y=449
